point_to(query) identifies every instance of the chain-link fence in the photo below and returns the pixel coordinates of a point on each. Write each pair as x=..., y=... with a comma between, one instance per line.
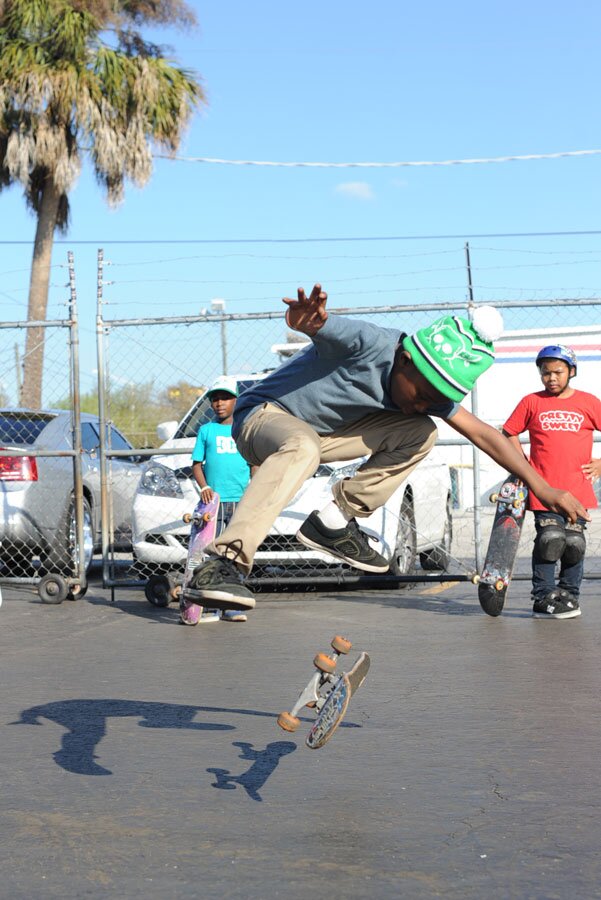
x=47, y=527
x=155, y=372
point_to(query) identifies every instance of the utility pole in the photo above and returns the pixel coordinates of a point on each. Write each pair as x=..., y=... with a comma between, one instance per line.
x=18, y=372
x=218, y=306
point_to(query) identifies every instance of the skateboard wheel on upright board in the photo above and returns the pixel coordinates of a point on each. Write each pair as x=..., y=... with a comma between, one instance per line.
x=493, y=498
x=340, y=644
x=288, y=722
x=324, y=663
x=187, y=518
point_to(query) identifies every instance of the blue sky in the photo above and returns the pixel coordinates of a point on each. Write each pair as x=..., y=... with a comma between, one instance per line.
x=344, y=82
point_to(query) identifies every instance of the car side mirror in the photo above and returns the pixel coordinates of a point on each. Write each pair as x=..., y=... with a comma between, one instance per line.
x=166, y=430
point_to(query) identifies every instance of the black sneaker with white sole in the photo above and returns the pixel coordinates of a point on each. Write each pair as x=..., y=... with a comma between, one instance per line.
x=556, y=605
x=219, y=581
x=348, y=544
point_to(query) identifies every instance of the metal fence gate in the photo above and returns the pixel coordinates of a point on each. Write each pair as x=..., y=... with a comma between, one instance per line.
x=43, y=528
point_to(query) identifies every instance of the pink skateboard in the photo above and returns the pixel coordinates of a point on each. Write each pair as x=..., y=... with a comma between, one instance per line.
x=202, y=533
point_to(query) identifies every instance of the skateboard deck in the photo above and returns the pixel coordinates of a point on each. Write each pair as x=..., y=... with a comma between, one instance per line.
x=503, y=545
x=204, y=524
x=328, y=693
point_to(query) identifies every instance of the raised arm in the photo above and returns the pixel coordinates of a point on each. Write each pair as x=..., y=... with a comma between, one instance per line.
x=505, y=453
x=307, y=314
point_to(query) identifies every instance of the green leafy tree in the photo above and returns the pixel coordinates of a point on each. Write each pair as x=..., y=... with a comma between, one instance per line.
x=78, y=80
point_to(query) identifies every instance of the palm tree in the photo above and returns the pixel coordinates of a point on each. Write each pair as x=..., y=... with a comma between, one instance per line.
x=77, y=80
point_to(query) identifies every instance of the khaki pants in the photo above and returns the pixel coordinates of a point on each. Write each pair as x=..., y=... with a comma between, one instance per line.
x=288, y=451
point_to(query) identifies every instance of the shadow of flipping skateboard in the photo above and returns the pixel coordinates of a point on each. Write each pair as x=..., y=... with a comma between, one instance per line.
x=327, y=693
x=503, y=544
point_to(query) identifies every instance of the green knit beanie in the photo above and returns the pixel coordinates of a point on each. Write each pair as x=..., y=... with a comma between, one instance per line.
x=453, y=352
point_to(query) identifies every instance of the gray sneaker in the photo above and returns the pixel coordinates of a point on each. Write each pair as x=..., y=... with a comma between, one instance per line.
x=556, y=605
x=219, y=581
x=348, y=544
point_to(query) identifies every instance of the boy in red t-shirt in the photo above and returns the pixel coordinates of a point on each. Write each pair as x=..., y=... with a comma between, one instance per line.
x=560, y=422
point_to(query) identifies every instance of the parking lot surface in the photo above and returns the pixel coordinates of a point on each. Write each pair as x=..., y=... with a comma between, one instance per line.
x=141, y=758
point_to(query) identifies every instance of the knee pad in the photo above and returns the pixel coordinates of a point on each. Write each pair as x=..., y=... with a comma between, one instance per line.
x=575, y=545
x=550, y=541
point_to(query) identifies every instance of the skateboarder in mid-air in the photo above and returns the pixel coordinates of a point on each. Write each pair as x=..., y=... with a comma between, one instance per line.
x=359, y=390
x=560, y=422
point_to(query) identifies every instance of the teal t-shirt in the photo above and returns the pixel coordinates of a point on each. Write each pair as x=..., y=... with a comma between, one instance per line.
x=226, y=471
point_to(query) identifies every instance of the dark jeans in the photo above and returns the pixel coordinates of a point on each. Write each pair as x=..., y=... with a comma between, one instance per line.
x=543, y=573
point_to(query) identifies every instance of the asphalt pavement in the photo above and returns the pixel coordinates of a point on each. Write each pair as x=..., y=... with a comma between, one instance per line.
x=141, y=758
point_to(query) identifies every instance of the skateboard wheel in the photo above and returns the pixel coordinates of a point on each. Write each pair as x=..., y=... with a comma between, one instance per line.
x=499, y=585
x=493, y=498
x=288, y=722
x=187, y=518
x=475, y=578
x=325, y=663
x=340, y=644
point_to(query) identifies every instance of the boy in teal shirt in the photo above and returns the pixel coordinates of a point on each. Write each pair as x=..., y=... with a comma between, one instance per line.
x=218, y=467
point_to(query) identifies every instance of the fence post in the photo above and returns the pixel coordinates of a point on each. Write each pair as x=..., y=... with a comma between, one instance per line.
x=104, y=498
x=475, y=451
x=76, y=426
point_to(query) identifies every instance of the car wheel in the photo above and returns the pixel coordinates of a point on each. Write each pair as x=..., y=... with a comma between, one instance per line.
x=76, y=592
x=63, y=555
x=405, y=551
x=439, y=557
x=158, y=590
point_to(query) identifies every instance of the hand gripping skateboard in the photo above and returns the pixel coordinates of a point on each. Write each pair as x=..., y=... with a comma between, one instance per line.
x=327, y=693
x=503, y=545
x=202, y=533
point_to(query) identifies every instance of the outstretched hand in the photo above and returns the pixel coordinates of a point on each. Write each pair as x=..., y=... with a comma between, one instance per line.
x=307, y=314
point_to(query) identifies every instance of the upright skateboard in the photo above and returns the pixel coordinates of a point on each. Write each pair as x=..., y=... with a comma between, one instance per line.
x=202, y=533
x=503, y=545
x=327, y=693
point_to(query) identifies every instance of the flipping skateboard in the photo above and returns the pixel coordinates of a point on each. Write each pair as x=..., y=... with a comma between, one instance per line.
x=202, y=533
x=503, y=545
x=327, y=693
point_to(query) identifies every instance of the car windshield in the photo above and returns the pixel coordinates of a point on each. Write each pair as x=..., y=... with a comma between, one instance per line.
x=22, y=428
x=202, y=412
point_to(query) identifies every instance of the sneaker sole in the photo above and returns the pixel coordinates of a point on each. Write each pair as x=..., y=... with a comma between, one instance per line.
x=572, y=614
x=219, y=599
x=204, y=620
x=365, y=567
x=241, y=617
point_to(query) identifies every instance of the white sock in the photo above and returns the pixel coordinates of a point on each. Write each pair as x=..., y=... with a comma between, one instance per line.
x=332, y=516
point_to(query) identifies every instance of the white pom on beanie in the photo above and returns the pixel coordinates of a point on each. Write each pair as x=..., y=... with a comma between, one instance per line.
x=487, y=322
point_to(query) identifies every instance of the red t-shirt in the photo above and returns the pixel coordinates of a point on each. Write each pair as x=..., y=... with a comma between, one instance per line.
x=561, y=440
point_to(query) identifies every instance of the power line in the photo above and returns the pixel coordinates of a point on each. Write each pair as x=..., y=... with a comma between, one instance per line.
x=377, y=165
x=322, y=240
